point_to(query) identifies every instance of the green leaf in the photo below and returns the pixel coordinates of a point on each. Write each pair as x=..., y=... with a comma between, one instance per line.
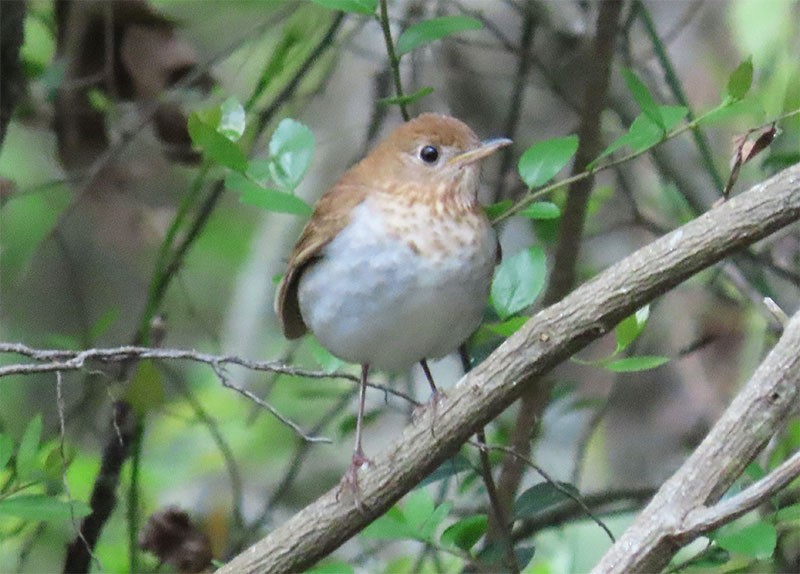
x=497, y=209
x=434, y=29
x=672, y=115
x=540, y=497
x=347, y=425
x=42, y=507
x=102, y=325
x=390, y=526
x=541, y=210
x=27, y=453
x=322, y=356
x=518, y=280
x=630, y=328
x=215, y=146
x=269, y=199
x=428, y=529
x=53, y=464
x=291, y=149
x=508, y=327
x=99, y=100
x=465, y=533
x=6, y=450
x=232, y=119
x=634, y=364
x=786, y=514
x=458, y=464
x=543, y=160
x=366, y=7
x=146, y=390
x=642, y=96
x=407, y=98
x=417, y=508
x=754, y=540
x=740, y=81
x=644, y=133
x=332, y=567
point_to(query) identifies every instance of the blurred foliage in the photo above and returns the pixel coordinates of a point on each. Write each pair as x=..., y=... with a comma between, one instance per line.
x=189, y=251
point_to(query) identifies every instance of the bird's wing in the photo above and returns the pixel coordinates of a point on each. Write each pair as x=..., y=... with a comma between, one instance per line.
x=331, y=215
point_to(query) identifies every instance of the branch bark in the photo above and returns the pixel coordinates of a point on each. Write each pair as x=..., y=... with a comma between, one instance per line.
x=550, y=337
x=683, y=508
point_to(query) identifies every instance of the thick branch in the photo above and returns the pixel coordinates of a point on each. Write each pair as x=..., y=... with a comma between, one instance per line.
x=547, y=339
x=681, y=510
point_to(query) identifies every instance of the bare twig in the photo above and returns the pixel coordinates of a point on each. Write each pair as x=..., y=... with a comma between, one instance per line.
x=555, y=484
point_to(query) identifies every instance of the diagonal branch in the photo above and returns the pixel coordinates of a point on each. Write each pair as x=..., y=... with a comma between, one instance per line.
x=684, y=508
x=548, y=338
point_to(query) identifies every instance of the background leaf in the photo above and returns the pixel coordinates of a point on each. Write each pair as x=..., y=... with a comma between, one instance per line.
x=390, y=526
x=146, y=390
x=232, y=119
x=6, y=450
x=407, y=98
x=543, y=160
x=28, y=451
x=642, y=96
x=434, y=29
x=465, y=533
x=291, y=149
x=634, y=364
x=42, y=507
x=215, y=146
x=630, y=328
x=366, y=7
x=269, y=199
x=754, y=540
x=740, y=80
x=458, y=464
x=541, y=497
x=518, y=281
x=541, y=210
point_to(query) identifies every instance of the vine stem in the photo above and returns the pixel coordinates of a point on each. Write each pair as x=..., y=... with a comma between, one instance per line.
x=532, y=196
x=394, y=61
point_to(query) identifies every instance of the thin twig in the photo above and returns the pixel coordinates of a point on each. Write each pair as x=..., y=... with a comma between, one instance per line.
x=62, y=451
x=394, y=61
x=555, y=484
x=677, y=90
x=705, y=519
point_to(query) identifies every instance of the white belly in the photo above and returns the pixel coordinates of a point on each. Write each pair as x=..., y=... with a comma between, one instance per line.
x=372, y=299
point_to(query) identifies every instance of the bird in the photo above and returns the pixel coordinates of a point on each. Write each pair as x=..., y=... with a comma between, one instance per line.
x=395, y=264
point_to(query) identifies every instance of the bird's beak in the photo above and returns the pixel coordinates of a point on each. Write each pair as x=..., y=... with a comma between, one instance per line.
x=486, y=148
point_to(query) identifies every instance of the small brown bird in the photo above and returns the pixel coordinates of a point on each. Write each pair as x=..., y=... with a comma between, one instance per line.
x=395, y=265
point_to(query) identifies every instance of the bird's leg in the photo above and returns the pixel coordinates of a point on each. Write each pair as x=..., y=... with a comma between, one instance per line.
x=424, y=364
x=436, y=394
x=350, y=478
x=358, y=454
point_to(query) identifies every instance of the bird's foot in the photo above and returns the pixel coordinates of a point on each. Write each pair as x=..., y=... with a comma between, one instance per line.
x=349, y=482
x=437, y=397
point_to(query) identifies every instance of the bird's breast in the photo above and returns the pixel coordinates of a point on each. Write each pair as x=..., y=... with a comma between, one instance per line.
x=399, y=283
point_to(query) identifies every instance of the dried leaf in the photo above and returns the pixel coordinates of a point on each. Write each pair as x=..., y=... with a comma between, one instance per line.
x=746, y=147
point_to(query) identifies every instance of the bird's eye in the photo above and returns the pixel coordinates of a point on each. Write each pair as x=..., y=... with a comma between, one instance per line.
x=429, y=154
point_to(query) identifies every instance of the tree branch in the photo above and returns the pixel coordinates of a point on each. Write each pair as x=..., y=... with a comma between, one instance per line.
x=548, y=338
x=60, y=361
x=681, y=510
